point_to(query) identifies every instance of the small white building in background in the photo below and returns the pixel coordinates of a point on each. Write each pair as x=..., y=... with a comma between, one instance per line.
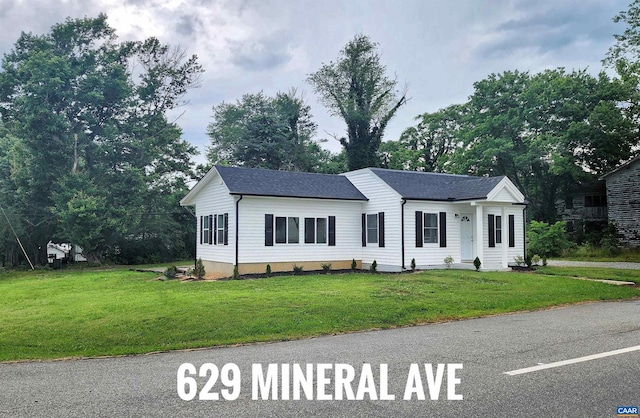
x=64, y=251
x=253, y=217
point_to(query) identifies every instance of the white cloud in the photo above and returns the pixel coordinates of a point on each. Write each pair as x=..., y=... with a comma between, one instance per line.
x=438, y=48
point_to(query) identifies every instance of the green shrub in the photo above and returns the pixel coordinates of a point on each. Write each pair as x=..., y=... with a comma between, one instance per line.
x=448, y=261
x=268, y=271
x=297, y=269
x=374, y=266
x=354, y=265
x=535, y=260
x=171, y=272
x=198, y=270
x=326, y=267
x=519, y=260
x=413, y=264
x=547, y=240
x=477, y=263
x=610, y=240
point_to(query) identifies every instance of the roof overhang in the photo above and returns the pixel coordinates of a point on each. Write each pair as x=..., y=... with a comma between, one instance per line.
x=623, y=166
x=299, y=197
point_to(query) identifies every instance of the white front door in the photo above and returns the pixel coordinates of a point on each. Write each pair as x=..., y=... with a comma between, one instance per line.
x=466, y=236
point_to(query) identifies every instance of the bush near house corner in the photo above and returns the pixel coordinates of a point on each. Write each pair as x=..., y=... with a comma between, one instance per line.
x=547, y=240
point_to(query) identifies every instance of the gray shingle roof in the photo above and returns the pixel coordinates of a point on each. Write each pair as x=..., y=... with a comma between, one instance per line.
x=262, y=182
x=435, y=186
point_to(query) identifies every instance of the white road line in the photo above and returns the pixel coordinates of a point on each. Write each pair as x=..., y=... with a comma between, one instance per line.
x=572, y=361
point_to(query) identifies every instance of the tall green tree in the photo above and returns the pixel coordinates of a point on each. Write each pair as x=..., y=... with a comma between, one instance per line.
x=545, y=131
x=428, y=145
x=266, y=132
x=624, y=57
x=96, y=145
x=357, y=89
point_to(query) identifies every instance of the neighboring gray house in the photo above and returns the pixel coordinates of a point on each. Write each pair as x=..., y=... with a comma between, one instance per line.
x=623, y=200
x=253, y=217
x=585, y=210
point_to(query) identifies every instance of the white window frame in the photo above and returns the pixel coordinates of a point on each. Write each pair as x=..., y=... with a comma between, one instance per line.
x=498, y=229
x=205, y=229
x=428, y=239
x=372, y=228
x=289, y=238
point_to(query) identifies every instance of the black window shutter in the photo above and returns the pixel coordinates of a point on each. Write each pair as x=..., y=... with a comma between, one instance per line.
x=268, y=230
x=201, y=229
x=309, y=230
x=380, y=229
x=512, y=231
x=210, y=229
x=419, y=236
x=492, y=231
x=364, y=229
x=226, y=229
x=443, y=229
x=332, y=231
x=215, y=228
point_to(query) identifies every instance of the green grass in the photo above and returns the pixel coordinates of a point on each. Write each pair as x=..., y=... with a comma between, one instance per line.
x=588, y=253
x=593, y=273
x=47, y=314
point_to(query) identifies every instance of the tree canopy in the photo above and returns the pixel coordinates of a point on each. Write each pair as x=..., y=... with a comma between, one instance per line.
x=92, y=156
x=545, y=131
x=265, y=132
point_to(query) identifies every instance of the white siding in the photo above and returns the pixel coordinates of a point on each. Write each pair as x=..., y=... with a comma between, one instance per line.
x=431, y=254
x=252, y=247
x=504, y=196
x=214, y=199
x=518, y=250
x=493, y=256
x=382, y=198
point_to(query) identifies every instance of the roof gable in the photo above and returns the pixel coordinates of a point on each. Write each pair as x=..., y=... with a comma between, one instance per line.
x=505, y=191
x=621, y=167
x=417, y=185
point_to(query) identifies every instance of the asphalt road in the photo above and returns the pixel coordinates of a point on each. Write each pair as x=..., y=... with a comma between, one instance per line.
x=486, y=348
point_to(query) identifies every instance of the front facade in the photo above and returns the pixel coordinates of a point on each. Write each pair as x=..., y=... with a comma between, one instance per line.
x=252, y=217
x=623, y=201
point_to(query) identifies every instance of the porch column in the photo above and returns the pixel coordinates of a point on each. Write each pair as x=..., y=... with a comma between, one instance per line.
x=505, y=238
x=479, y=238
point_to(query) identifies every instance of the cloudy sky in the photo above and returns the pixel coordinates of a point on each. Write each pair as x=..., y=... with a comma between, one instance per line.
x=438, y=48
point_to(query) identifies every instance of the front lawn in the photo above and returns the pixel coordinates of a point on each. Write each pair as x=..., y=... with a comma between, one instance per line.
x=47, y=314
x=597, y=273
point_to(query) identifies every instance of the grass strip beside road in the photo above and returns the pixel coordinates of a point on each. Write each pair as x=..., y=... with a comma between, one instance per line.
x=596, y=273
x=56, y=314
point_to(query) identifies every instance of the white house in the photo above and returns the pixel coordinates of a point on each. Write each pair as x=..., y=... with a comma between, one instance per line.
x=253, y=217
x=64, y=251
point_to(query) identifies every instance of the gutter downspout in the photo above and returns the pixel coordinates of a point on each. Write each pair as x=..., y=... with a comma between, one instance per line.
x=524, y=231
x=237, y=226
x=404, y=202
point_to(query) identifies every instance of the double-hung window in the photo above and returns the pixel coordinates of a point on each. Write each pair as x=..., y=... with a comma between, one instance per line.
x=206, y=229
x=430, y=228
x=372, y=229
x=287, y=230
x=498, y=229
x=220, y=229
x=315, y=230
